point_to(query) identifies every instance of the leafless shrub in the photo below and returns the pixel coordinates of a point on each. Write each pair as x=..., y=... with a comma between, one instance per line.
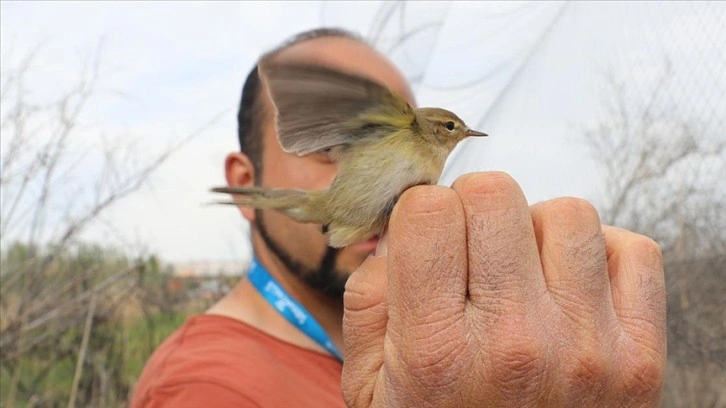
x=663, y=178
x=661, y=171
x=62, y=301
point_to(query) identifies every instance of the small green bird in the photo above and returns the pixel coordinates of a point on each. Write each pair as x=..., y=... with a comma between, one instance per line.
x=382, y=145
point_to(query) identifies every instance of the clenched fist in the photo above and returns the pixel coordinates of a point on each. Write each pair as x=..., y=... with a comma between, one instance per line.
x=478, y=300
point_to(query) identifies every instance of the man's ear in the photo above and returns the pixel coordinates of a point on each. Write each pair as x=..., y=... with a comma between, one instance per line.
x=240, y=172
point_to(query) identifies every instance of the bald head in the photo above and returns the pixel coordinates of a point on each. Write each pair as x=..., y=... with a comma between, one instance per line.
x=349, y=55
x=332, y=48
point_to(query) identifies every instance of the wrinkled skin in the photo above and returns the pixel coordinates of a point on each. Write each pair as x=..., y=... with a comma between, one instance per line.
x=475, y=299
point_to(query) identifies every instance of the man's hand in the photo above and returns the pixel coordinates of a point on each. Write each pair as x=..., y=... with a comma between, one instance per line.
x=480, y=300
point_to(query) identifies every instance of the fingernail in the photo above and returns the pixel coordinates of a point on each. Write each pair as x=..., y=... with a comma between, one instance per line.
x=382, y=248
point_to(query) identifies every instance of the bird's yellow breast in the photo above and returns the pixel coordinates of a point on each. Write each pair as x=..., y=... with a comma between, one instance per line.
x=373, y=174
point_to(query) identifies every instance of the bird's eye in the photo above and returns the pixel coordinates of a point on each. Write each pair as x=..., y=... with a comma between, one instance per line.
x=450, y=125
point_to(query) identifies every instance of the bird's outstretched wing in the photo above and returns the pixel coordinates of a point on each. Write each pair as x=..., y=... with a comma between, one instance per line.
x=318, y=108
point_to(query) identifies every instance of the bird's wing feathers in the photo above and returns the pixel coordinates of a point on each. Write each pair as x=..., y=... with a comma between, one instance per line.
x=318, y=108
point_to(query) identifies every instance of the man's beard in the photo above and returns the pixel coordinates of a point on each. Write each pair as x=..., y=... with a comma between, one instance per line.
x=325, y=278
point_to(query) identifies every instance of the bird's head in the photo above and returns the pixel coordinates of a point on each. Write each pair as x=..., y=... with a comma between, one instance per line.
x=444, y=126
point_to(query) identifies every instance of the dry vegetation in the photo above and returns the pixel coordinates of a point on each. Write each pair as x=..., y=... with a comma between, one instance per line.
x=77, y=320
x=664, y=178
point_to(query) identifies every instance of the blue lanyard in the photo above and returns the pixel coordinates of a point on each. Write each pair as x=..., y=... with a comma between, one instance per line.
x=289, y=308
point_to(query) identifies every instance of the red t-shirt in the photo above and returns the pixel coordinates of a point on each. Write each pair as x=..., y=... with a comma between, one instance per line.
x=216, y=361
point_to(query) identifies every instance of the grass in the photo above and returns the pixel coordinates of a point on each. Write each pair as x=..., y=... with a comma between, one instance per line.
x=117, y=352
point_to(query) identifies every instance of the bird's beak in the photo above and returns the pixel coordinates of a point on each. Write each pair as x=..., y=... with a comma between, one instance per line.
x=470, y=132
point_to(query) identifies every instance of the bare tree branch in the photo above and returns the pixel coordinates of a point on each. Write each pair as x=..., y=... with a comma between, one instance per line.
x=50, y=281
x=663, y=174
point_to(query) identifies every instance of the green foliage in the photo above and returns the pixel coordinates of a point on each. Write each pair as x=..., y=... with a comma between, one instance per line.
x=46, y=299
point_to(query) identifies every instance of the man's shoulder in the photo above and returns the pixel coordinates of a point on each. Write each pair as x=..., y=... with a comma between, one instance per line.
x=211, y=352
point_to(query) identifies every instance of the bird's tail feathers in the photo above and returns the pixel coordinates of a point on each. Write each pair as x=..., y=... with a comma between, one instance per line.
x=291, y=202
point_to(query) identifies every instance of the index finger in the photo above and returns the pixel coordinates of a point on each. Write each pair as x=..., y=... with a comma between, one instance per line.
x=427, y=274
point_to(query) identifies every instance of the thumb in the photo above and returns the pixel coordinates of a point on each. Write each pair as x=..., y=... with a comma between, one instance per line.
x=364, y=326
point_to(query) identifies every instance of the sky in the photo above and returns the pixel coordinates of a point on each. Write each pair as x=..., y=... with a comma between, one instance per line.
x=529, y=74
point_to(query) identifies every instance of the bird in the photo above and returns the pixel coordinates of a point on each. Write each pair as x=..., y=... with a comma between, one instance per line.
x=382, y=145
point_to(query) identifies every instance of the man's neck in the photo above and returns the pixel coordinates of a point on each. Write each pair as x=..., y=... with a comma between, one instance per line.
x=244, y=303
x=328, y=312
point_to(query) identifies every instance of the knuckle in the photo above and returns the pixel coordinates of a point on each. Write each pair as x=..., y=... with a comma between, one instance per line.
x=572, y=208
x=363, y=290
x=355, y=391
x=354, y=295
x=363, y=321
x=589, y=369
x=577, y=240
x=425, y=201
x=439, y=365
x=487, y=184
x=575, y=234
x=647, y=250
x=430, y=216
x=642, y=377
x=518, y=365
x=645, y=262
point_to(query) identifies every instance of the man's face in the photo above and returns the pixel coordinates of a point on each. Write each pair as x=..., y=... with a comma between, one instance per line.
x=305, y=243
